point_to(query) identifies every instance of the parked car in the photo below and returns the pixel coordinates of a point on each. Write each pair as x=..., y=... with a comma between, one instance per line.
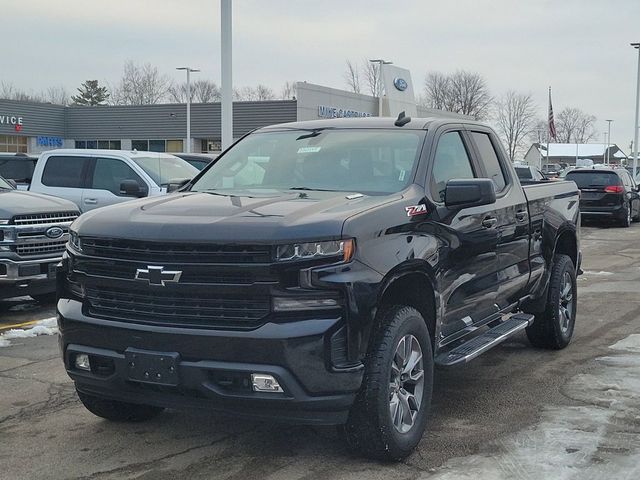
x=18, y=167
x=551, y=169
x=33, y=233
x=198, y=160
x=97, y=178
x=529, y=174
x=607, y=194
x=321, y=281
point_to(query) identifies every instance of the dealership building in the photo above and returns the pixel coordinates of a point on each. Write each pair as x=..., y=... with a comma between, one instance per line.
x=35, y=127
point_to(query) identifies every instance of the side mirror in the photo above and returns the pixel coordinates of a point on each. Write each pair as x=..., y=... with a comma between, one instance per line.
x=12, y=182
x=131, y=188
x=469, y=193
x=176, y=184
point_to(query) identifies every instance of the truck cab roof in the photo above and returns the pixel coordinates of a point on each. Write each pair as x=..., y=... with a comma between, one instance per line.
x=420, y=123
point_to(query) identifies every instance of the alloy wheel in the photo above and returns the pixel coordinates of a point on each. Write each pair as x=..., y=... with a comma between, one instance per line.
x=566, y=307
x=406, y=385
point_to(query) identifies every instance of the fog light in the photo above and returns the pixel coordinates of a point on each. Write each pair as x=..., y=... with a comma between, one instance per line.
x=82, y=362
x=289, y=304
x=265, y=383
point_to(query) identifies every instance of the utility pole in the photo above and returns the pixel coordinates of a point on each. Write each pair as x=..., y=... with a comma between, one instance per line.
x=226, y=74
x=188, y=70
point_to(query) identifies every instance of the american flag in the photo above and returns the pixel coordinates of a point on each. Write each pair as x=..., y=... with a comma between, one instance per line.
x=552, y=124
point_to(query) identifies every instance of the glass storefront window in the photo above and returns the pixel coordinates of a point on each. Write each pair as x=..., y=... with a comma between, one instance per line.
x=115, y=145
x=13, y=144
x=103, y=144
x=140, y=145
x=92, y=144
x=81, y=144
x=157, y=146
x=175, y=146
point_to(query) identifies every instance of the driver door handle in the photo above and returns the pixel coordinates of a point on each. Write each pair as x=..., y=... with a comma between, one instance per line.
x=521, y=215
x=489, y=222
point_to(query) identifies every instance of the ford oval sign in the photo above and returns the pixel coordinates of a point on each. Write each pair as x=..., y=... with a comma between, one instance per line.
x=54, y=232
x=400, y=83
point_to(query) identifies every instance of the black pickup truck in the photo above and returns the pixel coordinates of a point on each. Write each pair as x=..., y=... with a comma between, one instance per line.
x=317, y=272
x=33, y=233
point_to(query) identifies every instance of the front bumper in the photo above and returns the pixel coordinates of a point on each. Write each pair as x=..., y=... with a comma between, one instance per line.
x=213, y=366
x=27, y=277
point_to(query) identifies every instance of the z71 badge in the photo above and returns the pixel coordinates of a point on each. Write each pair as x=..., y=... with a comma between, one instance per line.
x=414, y=210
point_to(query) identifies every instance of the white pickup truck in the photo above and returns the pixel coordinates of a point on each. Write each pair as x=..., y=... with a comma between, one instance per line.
x=97, y=178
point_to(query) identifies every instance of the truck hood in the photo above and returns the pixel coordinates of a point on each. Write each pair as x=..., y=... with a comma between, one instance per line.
x=206, y=217
x=18, y=202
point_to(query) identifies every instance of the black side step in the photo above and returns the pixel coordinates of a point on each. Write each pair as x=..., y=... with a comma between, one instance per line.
x=480, y=344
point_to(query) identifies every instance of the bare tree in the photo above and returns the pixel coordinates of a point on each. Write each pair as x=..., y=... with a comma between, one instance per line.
x=372, y=77
x=540, y=132
x=289, y=91
x=352, y=77
x=255, y=94
x=8, y=91
x=57, y=95
x=515, y=119
x=462, y=92
x=202, y=91
x=575, y=126
x=140, y=85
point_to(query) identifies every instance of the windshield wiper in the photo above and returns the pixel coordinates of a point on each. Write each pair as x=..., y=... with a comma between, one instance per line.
x=311, y=189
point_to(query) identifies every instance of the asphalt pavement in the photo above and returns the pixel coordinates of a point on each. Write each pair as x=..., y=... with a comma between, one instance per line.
x=515, y=412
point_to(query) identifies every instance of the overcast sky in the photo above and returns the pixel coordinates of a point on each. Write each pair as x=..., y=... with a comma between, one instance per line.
x=579, y=47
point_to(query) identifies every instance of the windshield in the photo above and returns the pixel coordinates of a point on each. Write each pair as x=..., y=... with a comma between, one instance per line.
x=586, y=178
x=164, y=168
x=371, y=161
x=4, y=184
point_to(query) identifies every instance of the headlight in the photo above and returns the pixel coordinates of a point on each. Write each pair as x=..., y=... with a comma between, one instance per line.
x=75, y=241
x=340, y=249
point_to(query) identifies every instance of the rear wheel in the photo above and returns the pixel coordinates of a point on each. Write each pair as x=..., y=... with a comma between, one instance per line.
x=118, y=411
x=390, y=413
x=626, y=216
x=554, y=327
x=636, y=217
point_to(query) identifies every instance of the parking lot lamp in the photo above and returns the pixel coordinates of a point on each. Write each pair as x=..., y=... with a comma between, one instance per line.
x=608, y=142
x=635, y=124
x=189, y=70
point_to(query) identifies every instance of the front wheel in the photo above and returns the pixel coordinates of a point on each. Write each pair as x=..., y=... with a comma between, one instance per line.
x=554, y=327
x=390, y=413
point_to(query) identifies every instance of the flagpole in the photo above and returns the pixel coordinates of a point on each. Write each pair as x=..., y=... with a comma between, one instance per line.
x=548, y=124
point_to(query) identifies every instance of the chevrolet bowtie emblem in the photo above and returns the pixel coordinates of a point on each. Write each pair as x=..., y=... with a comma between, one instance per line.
x=158, y=275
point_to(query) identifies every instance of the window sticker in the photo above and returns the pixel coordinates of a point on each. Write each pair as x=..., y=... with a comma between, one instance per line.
x=309, y=149
x=402, y=174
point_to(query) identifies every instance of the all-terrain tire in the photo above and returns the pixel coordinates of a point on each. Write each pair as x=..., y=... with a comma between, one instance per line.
x=553, y=328
x=118, y=411
x=370, y=430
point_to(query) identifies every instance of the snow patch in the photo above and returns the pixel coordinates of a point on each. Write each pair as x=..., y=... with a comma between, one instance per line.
x=48, y=326
x=589, y=441
x=601, y=272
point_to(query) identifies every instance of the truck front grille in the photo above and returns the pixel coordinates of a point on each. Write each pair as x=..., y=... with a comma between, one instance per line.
x=186, y=310
x=29, y=249
x=144, y=251
x=45, y=218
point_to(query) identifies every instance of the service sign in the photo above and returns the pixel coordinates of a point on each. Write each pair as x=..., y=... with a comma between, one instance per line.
x=14, y=120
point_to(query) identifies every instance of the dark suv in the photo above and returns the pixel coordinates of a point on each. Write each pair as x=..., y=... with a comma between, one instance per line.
x=610, y=194
x=18, y=167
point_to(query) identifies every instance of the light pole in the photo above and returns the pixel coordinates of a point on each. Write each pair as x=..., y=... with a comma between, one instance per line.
x=380, y=63
x=608, y=141
x=227, y=78
x=189, y=70
x=635, y=125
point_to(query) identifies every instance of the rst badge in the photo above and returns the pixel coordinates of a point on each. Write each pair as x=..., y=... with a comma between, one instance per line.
x=414, y=210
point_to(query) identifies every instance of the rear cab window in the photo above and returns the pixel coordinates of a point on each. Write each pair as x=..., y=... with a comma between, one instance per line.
x=490, y=160
x=65, y=171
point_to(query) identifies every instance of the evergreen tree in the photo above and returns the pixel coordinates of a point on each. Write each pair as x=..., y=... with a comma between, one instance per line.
x=90, y=93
